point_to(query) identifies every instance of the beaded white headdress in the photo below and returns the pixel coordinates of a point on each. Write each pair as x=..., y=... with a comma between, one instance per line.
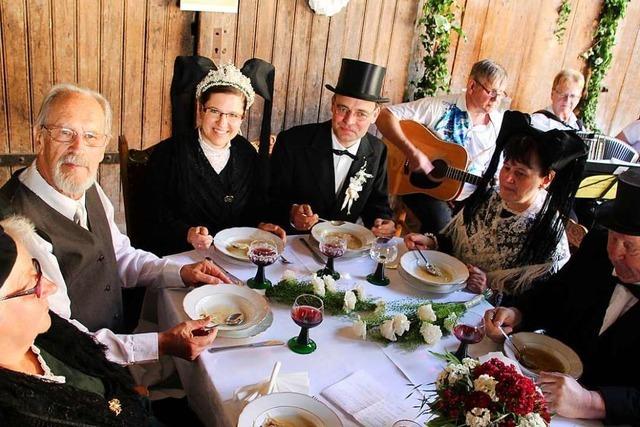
x=227, y=75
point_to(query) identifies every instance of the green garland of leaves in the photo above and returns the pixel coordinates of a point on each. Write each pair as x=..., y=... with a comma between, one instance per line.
x=599, y=57
x=437, y=24
x=563, y=17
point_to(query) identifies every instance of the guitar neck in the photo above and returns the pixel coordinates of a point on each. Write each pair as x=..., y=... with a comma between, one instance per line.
x=463, y=176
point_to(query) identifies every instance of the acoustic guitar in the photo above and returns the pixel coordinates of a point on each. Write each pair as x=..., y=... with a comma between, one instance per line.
x=445, y=181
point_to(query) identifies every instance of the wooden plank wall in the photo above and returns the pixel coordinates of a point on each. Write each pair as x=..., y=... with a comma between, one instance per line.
x=122, y=48
x=306, y=50
x=519, y=35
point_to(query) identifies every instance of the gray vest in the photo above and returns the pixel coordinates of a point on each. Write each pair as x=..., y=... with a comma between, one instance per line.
x=86, y=257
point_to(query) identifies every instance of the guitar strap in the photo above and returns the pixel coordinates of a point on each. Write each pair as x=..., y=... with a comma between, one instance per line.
x=549, y=114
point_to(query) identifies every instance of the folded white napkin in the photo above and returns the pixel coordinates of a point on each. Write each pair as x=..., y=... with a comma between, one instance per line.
x=297, y=382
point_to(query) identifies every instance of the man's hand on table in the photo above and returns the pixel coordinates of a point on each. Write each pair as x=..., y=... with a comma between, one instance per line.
x=383, y=228
x=568, y=398
x=419, y=241
x=507, y=318
x=199, y=237
x=302, y=217
x=275, y=229
x=181, y=341
x=203, y=272
x=477, y=281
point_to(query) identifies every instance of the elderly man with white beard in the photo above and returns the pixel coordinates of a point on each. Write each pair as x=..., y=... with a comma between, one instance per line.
x=78, y=243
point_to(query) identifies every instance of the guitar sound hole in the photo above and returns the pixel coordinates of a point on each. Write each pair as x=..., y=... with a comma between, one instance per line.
x=434, y=178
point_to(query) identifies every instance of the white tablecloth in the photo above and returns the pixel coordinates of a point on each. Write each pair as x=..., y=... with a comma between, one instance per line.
x=338, y=355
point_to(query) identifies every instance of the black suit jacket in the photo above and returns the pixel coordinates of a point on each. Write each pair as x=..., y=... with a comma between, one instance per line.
x=571, y=306
x=302, y=172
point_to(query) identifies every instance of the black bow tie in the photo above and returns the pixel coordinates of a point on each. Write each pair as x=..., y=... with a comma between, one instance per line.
x=634, y=289
x=344, y=153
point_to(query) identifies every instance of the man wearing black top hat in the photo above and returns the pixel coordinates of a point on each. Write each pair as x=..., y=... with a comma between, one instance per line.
x=335, y=170
x=592, y=306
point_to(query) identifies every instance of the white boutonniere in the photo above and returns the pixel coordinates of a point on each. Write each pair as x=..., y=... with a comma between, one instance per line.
x=355, y=187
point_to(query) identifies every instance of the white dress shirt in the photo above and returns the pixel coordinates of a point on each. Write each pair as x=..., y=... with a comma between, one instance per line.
x=621, y=301
x=544, y=123
x=135, y=268
x=342, y=164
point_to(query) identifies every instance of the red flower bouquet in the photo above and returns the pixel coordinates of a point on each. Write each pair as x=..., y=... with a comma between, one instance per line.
x=489, y=394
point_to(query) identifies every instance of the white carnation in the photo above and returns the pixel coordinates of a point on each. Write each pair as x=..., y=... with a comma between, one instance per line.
x=387, y=331
x=450, y=322
x=360, y=292
x=532, y=419
x=289, y=276
x=478, y=417
x=318, y=285
x=426, y=314
x=400, y=324
x=349, y=301
x=470, y=363
x=430, y=333
x=487, y=384
x=456, y=372
x=381, y=306
x=360, y=328
x=330, y=283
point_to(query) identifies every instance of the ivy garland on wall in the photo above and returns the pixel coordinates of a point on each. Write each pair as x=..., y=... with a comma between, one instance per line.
x=599, y=57
x=436, y=24
x=563, y=17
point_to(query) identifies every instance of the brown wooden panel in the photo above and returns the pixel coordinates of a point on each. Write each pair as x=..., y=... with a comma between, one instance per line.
x=385, y=31
x=580, y=37
x=332, y=61
x=154, y=71
x=370, y=30
x=40, y=51
x=89, y=47
x=133, y=68
x=458, y=11
x=400, y=50
x=265, y=27
x=628, y=108
x=4, y=128
x=17, y=75
x=298, y=65
x=468, y=52
x=245, y=41
x=612, y=83
x=281, y=58
x=217, y=38
x=63, y=27
x=178, y=42
x=353, y=29
x=315, y=68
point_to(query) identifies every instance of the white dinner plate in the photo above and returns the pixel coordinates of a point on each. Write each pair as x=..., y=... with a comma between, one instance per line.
x=219, y=301
x=568, y=358
x=454, y=271
x=360, y=238
x=296, y=409
x=427, y=287
x=224, y=240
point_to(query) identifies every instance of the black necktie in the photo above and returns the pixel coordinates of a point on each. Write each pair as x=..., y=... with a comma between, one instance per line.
x=344, y=153
x=634, y=289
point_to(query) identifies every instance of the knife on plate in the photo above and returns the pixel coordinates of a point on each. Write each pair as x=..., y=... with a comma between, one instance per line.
x=269, y=343
x=315, y=256
x=233, y=278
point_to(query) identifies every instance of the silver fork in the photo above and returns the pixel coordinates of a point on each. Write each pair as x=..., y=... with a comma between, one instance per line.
x=284, y=260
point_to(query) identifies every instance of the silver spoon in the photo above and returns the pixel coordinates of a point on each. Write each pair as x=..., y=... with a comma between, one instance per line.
x=231, y=320
x=521, y=357
x=335, y=222
x=431, y=269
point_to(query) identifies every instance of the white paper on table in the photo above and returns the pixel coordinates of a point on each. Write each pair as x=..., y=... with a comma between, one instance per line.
x=362, y=397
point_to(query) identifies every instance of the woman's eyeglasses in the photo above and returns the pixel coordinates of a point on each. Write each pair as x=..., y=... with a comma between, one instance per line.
x=37, y=289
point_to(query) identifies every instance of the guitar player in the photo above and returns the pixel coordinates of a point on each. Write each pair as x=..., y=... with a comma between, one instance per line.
x=471, y=119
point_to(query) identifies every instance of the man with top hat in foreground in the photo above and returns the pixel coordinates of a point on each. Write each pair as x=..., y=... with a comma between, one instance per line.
x=592, y=306
x=335, y=170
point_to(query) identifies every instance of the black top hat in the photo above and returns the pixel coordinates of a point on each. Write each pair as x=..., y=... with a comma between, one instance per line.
x=8, y=255
x=621, y=214
x=360, y=80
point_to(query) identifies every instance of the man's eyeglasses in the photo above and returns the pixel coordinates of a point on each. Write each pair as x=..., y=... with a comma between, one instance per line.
x=568, y=96
x=218, y=115
x=37, y=289
x=493, y=93
x=66, y=135
x=359, y=114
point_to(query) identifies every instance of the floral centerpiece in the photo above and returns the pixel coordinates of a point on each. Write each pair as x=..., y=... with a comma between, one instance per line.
x=409, y=322
x=474, y=394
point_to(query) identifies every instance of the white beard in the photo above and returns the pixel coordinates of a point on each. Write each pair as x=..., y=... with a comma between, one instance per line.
x=67, y=182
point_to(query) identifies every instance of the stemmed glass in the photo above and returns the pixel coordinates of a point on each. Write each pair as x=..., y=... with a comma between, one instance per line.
x=469, y=330
x=333, y=246
x=307, y=312
x=384, y=250
x=261, y=253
